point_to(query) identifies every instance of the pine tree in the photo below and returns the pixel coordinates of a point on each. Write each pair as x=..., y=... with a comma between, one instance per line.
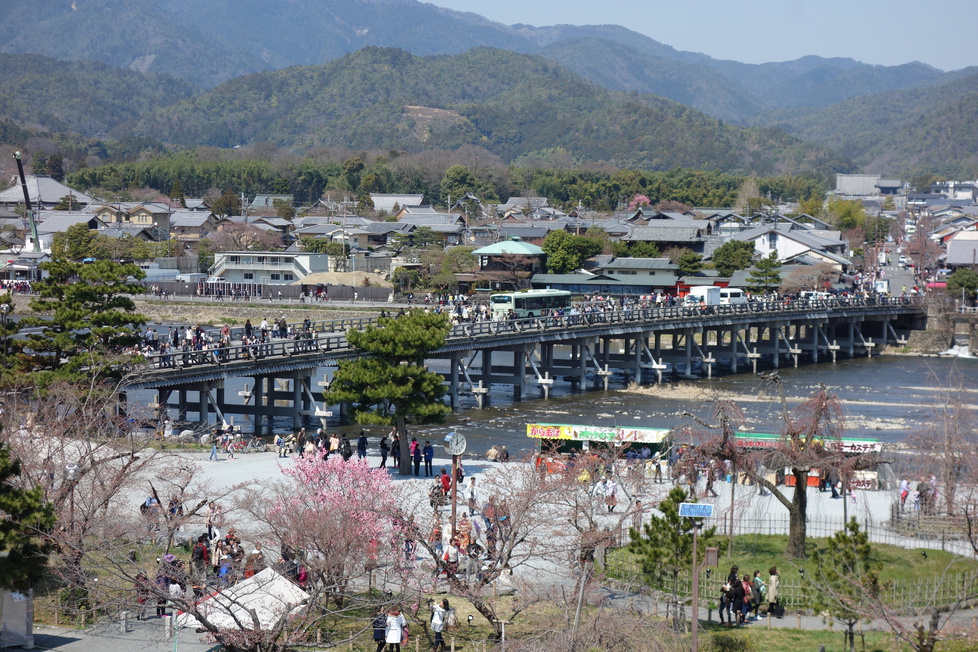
x=24, y=518
x=847, y=578
x=393, y=375
x=665, y=544
x=766, y=274
x=176, y=193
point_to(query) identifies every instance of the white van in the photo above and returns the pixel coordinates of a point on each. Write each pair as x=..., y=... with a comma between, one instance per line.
x=730, y=296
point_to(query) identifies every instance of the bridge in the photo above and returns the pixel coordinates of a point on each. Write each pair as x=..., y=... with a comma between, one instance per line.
x=640, y=344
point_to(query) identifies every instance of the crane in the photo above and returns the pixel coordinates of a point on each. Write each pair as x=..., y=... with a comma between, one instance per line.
x=27, y=203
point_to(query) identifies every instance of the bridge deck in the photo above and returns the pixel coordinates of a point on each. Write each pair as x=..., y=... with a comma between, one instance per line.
x=329, y=346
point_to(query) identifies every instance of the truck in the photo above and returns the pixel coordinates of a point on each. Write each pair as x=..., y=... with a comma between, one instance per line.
x=882, y=258
x=882, y=286
x=707, y=295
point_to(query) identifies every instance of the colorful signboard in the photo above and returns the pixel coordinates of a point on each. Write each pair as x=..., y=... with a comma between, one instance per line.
x=851, y=446
x=609, y=434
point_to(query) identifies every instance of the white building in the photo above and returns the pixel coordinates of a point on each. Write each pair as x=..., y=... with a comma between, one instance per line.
x=266, y=267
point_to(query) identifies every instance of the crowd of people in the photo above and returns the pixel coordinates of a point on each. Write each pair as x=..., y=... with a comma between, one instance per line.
x=217, y=560
x=16, y=287
x=743, y=595
x=921, y=495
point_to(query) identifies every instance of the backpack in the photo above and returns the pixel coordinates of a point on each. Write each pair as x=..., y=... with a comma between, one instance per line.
x=200, y=553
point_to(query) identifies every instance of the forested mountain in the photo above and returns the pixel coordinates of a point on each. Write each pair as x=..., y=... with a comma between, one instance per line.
x=933, y=127
x=624, y=68
x=85, y=97
x=835, y=103
x=129, y=33
x=513, y=105
x=317, y=31
x=210, y=42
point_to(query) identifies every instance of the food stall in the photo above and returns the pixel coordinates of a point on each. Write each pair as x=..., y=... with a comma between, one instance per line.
x=866, y=479
x=559, y=443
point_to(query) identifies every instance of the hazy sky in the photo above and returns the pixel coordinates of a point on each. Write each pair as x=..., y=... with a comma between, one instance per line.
x=938, y=32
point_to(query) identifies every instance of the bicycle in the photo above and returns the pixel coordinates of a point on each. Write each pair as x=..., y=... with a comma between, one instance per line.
x=255, y=445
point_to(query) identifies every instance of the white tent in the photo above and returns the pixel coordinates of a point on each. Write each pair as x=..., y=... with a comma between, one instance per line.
x=268, y=593
x=16, y=616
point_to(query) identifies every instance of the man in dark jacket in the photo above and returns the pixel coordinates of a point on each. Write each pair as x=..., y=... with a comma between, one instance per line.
x=362, y=445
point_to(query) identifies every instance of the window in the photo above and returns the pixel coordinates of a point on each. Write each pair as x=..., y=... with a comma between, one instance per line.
x=248, y=276
x=772, y=240
x=288, y=277
x=276, y=277
x=234, y=259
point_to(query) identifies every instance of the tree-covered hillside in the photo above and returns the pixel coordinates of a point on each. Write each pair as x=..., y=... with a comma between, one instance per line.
x=513, y=105
x=85, y=97
x=625, y=68
x=127, y=33
x=932, y=128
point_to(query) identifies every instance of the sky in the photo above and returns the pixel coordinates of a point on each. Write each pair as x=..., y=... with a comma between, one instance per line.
x=938, y=32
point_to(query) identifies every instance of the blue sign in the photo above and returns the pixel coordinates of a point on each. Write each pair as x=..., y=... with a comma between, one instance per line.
x=696, y=510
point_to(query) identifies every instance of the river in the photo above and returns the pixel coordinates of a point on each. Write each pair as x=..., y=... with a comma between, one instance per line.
x=886, y=398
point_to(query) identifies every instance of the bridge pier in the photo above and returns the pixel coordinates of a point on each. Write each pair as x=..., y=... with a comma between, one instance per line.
x=455, y=361
x=631, y=342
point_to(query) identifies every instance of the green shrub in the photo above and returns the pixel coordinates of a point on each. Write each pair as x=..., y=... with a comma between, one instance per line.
x=729, y=642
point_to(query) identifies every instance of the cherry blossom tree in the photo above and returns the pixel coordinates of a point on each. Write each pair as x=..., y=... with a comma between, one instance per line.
x=343, y=516
x=638, y=201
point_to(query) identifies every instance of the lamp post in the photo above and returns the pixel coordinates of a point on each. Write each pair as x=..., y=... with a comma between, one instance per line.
x=72, y=473
x=4, y=310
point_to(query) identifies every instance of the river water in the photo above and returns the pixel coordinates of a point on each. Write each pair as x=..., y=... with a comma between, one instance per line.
x=885, y=398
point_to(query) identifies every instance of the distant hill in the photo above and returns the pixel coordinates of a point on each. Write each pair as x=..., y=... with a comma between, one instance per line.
x=931, y=127
x=512, y=104
x=625, y=68
x=84, y=97
x=317, y=31
x=128, y=33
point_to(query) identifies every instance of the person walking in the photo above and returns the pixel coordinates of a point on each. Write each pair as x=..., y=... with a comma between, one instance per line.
x=385, y=448
x=396, y=630
x=773, y=606
x=416, y=455
x=429, y=455
x=362, y=445
x=214, y=438
x=439, y=613
x=758, y=594
x=380, y=629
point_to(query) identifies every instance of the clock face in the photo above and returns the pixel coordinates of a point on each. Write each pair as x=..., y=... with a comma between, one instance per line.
x=455, y=444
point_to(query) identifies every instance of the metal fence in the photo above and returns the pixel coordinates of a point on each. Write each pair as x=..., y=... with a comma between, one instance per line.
x=795, y=590
x=931, y=532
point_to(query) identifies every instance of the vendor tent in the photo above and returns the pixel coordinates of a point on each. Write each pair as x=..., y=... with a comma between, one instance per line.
x=270, y=595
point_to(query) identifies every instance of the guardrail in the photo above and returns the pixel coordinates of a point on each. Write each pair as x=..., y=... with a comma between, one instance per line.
x=331, y=335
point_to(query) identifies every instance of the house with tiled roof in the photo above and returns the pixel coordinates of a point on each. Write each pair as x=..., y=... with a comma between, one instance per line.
x=50, y=223
x=268, y=204
x=192, y=225
x=795, y=244
x=43, y=191
x=689, y=234
x=387, y=202
x=145, y=215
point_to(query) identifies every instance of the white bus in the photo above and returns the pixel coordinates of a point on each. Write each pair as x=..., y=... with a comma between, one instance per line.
x=529, y=303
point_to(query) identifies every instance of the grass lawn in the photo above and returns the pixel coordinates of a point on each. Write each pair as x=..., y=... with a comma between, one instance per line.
x=756, y=551
x=761, y=551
